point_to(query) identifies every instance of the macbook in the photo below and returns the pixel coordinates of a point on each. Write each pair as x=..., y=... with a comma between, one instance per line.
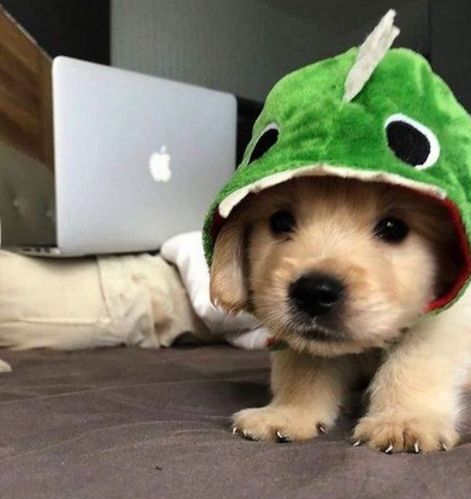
x=115, y=162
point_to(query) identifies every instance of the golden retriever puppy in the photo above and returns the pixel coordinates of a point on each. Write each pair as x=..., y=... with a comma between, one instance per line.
x=341, y=271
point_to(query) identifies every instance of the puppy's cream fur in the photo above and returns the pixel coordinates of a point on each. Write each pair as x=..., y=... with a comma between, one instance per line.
x=417, y=365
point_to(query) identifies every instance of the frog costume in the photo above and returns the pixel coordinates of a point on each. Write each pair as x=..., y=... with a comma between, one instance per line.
x=374, y=114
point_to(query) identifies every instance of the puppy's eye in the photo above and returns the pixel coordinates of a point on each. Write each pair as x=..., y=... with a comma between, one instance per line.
x=391, y=229
x=266, y=141
x=282, y=222
x=412, y=142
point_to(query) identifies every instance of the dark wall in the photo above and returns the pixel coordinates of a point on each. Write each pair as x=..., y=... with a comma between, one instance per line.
x=450, y=45
x=77, y=28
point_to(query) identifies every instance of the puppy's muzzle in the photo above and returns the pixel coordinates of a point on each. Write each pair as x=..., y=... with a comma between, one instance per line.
x=316, y=294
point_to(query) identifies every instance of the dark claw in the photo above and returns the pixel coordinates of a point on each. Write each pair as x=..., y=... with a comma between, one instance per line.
x=247, y=436
x=282, y=439
x=235, y=431
x=389, y=449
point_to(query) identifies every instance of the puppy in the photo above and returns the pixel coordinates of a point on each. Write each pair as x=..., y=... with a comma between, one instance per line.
x=340, y=271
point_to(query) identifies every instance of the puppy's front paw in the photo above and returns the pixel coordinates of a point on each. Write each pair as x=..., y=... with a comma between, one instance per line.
x=393, y=434
x=278, y=424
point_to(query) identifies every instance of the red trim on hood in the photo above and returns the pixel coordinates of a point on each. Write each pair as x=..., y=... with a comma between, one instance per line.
x=216, y=226
x=465, y=251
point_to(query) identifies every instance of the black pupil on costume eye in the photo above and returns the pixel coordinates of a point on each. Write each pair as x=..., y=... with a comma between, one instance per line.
x=408, y=144
x=265, y=142
x=391, y=229
x=282, y=222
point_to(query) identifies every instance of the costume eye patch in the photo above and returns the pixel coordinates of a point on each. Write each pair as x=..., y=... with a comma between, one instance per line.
x=412, y=142
x=267, y=140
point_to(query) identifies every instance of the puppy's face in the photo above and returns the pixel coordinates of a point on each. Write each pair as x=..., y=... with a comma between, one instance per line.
x=334, y=266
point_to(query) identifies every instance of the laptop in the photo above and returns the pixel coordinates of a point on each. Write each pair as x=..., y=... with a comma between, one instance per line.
x=138, y=159
x=133, y=160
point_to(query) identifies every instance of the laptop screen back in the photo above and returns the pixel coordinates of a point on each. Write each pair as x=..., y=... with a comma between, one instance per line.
x=138, y=158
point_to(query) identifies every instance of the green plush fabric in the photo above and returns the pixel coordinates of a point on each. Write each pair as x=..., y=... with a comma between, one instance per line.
x=317, y=127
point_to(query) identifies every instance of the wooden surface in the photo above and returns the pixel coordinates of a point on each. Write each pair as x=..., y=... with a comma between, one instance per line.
x=25, y=93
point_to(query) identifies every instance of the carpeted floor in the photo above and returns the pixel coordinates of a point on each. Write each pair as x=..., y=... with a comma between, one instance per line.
x=128, y=423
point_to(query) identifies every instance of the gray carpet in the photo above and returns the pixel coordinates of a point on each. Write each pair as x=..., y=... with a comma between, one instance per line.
x=125, y=423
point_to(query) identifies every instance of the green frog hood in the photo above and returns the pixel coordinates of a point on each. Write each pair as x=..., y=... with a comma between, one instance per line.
x=372, y=113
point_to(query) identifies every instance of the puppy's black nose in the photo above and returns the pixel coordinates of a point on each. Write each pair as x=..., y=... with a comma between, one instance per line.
x=316, y=294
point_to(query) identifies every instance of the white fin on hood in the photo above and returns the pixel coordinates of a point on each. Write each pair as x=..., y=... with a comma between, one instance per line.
x=370, y=54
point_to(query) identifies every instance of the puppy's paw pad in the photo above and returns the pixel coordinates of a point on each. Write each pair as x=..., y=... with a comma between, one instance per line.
x=275, y=424
x=415, y=435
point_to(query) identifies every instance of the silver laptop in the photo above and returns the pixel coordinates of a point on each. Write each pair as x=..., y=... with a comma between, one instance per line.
x=137, y=159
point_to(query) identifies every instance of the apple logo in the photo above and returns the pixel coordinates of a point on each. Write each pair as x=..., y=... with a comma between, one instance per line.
x=159, y=165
